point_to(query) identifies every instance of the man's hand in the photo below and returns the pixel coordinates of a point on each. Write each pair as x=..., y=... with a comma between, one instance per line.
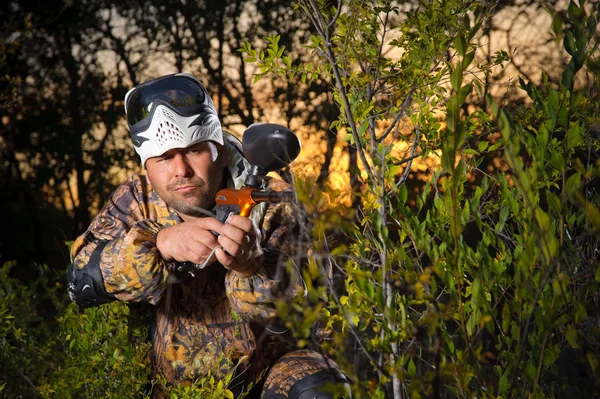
x=238, y=238
x=188, y=241
x=192, y=241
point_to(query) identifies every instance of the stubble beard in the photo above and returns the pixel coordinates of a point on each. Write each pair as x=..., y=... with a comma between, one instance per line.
x=194, y=206
x=198, y=203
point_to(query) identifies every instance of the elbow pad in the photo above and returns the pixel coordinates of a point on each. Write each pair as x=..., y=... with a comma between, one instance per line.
x=86, y=285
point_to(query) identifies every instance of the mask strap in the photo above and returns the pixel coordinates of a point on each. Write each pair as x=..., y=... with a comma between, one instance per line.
x=214, y=153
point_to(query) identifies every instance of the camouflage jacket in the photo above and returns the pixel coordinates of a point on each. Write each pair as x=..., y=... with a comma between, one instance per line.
x=213, y=322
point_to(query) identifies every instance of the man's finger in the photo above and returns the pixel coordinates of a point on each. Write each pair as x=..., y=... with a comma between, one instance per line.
x=234, y=233
x=223, y=258
x=204, y=237
x=241, y=222
x=232, y=247
x=209, y=224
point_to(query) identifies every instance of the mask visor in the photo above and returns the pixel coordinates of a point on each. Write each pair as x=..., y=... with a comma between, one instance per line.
x=179, y=92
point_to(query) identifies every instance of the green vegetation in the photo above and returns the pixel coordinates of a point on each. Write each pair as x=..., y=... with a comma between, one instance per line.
x=481, y=281
x=487, y=285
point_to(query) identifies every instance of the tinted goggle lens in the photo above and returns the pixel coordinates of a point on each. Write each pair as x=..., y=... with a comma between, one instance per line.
x=179, y=92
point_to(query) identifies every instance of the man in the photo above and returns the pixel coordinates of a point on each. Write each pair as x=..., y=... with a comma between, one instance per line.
x=221, y=318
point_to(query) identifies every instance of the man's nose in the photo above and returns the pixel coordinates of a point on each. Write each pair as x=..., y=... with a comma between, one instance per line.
x=182, y=167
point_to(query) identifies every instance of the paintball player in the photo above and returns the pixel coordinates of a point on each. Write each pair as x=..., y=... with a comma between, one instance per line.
x=220, y=318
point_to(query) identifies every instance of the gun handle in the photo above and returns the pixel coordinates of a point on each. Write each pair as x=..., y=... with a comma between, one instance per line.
x=223, y=211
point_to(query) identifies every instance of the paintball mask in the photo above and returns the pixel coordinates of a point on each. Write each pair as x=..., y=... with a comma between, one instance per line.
x=173, y=111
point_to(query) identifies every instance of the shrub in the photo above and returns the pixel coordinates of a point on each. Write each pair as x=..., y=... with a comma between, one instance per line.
x=485, y=282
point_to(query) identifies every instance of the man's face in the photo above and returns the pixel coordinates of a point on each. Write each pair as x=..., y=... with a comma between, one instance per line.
x=187, y=178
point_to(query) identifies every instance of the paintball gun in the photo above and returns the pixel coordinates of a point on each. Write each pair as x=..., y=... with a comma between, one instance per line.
x=268, y=147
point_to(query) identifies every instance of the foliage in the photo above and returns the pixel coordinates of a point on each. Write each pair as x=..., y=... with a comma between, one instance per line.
x=27, y=334
x=486, y=284
x=52, y=349
x=482, y=281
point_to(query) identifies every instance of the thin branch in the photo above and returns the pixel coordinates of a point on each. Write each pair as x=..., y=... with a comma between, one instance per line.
x=409, y=160
x=400, y=162
x=380, y=50
x=344, y=96
x=338, y=11
x=407, y=101
x=317, y=18
x=352, y=327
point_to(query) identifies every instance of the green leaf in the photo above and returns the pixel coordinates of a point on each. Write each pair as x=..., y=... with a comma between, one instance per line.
x=574, y=136
x=557, y=24
x=572, y=337
x=553, y=103
x=459, y=137
x=403, y=194
x=412, y=369
x=468, y=59
x=569, y=43
x=494, y=147
x=554, y=203
x=476, y=293
x=503, y=384
x=503, y=217
x=562, y=118
x=464, y=92
x=493, y=105
x=542, y=219
x=451, y=115
x=573, y=183
x=542, y=137
x=530, y=371
x=557, y=161
x=568, y=75
x=574, y=12
x=460, y=44
x=447, y=158
x=456, y=77
x=504, y=125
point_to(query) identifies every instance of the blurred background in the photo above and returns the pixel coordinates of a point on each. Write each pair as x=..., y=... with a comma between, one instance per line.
x=65, y=67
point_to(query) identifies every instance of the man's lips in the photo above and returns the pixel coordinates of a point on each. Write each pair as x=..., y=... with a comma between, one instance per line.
x=185, y=189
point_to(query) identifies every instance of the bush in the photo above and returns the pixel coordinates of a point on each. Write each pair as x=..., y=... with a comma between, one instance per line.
x=484, y=283
x=52, y=349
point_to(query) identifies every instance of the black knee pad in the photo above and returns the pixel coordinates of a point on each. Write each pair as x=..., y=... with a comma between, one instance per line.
x=310, y=387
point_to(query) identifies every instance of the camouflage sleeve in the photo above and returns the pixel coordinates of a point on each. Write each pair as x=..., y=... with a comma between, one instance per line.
x=254, y=297
x=122, y=241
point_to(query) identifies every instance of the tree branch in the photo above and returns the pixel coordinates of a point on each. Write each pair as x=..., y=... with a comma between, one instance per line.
x=344, y=96
x=407, y=101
